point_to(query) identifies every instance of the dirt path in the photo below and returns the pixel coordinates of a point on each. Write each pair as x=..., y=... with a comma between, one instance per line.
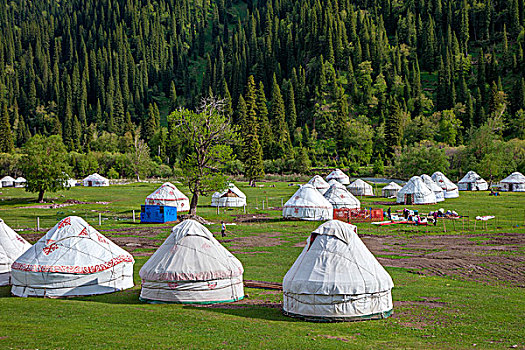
x=496, y=258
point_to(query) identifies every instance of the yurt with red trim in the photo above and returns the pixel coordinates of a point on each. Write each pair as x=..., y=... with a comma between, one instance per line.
x=450, y=189
x=308, y=204
x=12, y=245
x=340, y=198
x=338, y=175
x=192, y=267
x=320, y=184
x=72, y=259
x=169, y=195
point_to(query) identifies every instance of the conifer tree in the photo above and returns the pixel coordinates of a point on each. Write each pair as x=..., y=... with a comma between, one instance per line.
x=252, y=151
x=264, y=128
x=291, y=113
x=393, y=127
x=277, y=116
x=6, y=135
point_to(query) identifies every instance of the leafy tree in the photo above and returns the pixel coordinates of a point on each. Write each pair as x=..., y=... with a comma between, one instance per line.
x=44, y=165
x=207, y=134
x=420, y=159
x=138, y=157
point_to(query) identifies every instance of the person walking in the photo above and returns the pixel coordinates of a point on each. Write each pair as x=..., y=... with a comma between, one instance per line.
x=435, y=215
x=223, y=229
x=389, y=214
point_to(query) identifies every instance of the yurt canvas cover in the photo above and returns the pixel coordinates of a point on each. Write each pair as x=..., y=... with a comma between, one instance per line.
x=308, y=204
x=338, y=175
x=333, y=181
x=339, y=197
x=390, y=190
x=191, y=266
x=169, y=195
x=361, y=188
x=95, y=180
x=472, y=182
x=434, y=187
x=72, y=259
x=20, y=182
x=336, y=278
x=319, y=183
x=514, y=182
x=7, y=181
x=416, y=192
x=12, y=245
x=230, y=197
x=451, y=190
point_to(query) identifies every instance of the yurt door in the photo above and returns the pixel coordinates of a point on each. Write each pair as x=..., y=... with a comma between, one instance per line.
x=409, y=200
x=469, y=186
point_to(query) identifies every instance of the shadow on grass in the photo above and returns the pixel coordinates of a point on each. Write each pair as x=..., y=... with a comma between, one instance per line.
x=20, y=201
x=5, y=292
x=262, y=312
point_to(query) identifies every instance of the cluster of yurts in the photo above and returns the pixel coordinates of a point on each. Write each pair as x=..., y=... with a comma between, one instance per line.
x=335, y=278
x=317, y=199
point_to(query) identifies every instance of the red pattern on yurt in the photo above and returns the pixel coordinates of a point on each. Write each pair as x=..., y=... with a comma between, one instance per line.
x=65, y=222
x=73, y=269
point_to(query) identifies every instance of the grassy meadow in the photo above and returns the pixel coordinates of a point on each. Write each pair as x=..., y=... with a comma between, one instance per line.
x=430, y=311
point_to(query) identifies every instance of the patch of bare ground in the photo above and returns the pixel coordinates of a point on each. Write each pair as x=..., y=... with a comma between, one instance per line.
x=247, y=218
x=490, y=259
x=269, y=239
x=253, y=252
x=427, y=313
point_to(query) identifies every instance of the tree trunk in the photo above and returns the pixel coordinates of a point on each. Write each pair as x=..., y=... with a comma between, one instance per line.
x=41, y=196
x=193, y=204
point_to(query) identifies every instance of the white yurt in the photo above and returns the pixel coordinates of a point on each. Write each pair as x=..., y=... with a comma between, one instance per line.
x=7, y=181
x=320, y=184
x=339, y=176
x=72, y=259
x=416, y=192
x=515, y=182
x=336, y=278
x=20, y=182
x=12, y=245
x=308, y=204
x=339, y=197
x=333, y=181
x=390, y=190
x=169, y=195
x=191, y=266
x=472, y=182
x=230, y=197
x=451, y=190
x=434, y=187
x=95, y=180
x=361, y=188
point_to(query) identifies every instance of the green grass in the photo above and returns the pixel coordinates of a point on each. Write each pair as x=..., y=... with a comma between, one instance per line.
x=465, y=313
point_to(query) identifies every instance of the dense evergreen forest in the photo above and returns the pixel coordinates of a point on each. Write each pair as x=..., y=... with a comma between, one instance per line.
x=346, y=83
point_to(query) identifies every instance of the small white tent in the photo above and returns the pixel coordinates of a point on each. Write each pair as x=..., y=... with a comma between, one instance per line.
x=20, y=182
x=339, y=197
x=11, y=247
x=390, y=190
x=191, y=266
x=230, y=197
x=472, y=182
x=7, y=181
x=320, y=184
x=308, y=204
x=361, y=188
x=336, y=278
x=415, y=192
x=72, y=259
x=515, y=182
x=434, y=187
x=333, y=181
x=338, y=175
x=95, y=180
x=169, y=195
x=451, y=190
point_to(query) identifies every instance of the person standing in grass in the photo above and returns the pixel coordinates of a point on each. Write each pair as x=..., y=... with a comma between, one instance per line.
x=435, y=215
x=223, y=229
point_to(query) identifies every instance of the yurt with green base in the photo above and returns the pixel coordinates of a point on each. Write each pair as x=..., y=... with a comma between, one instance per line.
x=336, y=278
x=191, y=267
